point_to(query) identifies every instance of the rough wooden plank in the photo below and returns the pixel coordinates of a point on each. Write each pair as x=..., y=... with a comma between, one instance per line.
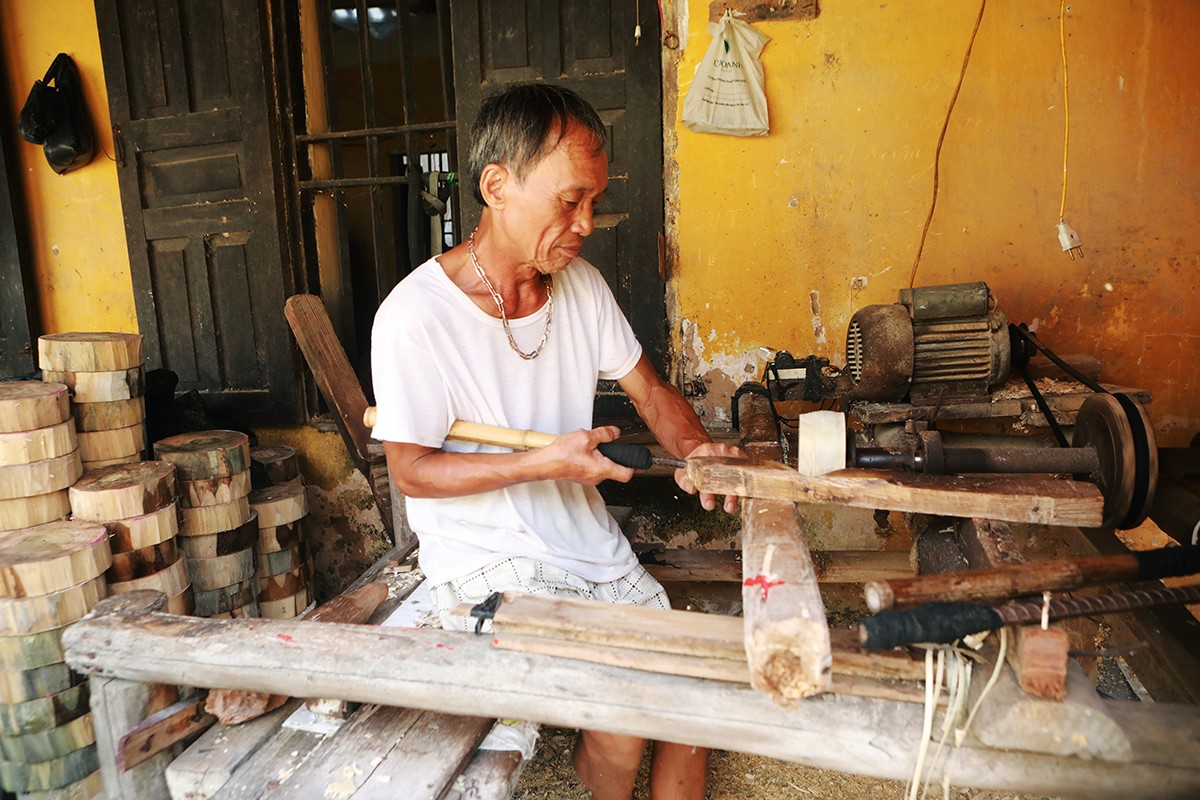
x=117, y=706
x=489, y=775
x=1011, y=498
x=461, y=673
x=162, y=729
x=386, y=752
x=212, y=760
x=331, y=368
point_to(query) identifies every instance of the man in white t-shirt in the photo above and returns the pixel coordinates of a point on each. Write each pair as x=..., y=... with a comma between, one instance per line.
x=513, y=328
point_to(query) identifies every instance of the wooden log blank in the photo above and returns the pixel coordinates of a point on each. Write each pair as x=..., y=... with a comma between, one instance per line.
x=29, y=405
x=24, y=447
x=88, y=351
x=215, y=491
x=113, y=443
x=145, y=530
x=39, y=477
x=171, y=581
x=124, y=491
x=113, y=414
x=25, y=512
x=45, y=612
x=206, y=455
x=52, y=557
x=207, y=520
x=213, y=573
x=279, y=505
x=100, y=387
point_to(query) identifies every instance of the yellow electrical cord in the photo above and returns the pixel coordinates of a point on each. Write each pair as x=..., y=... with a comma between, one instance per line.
x=1062, y=39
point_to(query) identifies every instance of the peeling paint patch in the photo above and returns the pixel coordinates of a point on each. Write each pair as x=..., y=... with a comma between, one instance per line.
x=814, y=302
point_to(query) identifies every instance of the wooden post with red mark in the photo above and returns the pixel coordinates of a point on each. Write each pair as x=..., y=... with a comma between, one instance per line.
x=786, y=634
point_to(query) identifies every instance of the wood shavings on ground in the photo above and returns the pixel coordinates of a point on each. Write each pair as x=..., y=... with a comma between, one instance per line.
x=731, y=776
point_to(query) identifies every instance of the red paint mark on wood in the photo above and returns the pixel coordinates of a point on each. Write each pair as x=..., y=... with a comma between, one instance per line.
x=495, y=642
x=285, y=637
x=441, y=646
x=764, y=583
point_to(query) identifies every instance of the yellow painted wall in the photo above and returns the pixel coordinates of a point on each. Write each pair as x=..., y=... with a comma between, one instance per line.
x=780, y=239
x=81, y=278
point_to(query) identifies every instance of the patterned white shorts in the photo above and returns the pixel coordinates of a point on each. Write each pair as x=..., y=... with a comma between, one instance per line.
x=637, y=588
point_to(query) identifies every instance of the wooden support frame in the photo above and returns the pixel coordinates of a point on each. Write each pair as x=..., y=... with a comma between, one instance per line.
x=463, y=674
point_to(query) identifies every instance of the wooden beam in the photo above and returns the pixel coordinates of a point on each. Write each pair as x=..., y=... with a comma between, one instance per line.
x=670, y=565
x=784, y=627
x=162, y=729
x=1011, y=498
x=463, y=674
x=331, y=368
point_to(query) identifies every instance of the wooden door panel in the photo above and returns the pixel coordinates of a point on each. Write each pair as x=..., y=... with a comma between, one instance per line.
x=189, y=88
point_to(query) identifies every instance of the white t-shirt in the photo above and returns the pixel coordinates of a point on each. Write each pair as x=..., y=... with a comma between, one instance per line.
x=437, y=357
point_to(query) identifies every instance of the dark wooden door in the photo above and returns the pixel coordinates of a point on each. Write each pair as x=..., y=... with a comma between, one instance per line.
x=588, y=47
x=188, y=88
x=16, y=343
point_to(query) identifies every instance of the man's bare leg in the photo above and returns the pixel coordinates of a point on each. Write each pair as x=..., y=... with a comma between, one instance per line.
x=678, y=772
x=607, y=763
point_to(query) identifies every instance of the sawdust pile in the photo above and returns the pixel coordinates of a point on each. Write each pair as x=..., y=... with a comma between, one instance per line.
x=731, y=776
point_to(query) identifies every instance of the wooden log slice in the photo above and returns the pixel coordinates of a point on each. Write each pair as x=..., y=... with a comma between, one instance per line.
x=226, y=598
x=105, y=416
x=40, y=477
x=44, y=713
x=274, y=538
x=92, y=466
x=183, y=604
x=215, y=491
x=205, y=520
x=248, y=611
x=213, y=573
x=100, y=387
x=279, y=562
x=277, y=587
x=170, y=581
x=53, y=774
x=48, y=611
x=279, y=505
x=30, y=748
x=25, y=512
x=205, y=455
x=90, y=788
x=29, y=405
x=113, y=443
x=222, y=544
x=132, y=564
x=124, y=491
x=31, y=650
x=284, y=608
x=51, y=557
x=25, y=447
x=23, y=685
x=272, y=464
x=136, y=533
x=90, y=351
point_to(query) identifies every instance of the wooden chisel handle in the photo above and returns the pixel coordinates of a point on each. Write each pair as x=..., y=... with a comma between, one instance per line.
x=627, y=455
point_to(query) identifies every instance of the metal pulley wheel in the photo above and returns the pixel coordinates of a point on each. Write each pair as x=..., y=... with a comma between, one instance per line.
x=1116, y=426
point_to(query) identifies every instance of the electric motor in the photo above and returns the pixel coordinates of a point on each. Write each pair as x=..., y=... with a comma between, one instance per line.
x=938, y=343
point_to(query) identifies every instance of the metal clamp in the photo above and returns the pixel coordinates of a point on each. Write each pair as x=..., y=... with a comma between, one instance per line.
x=486, y=610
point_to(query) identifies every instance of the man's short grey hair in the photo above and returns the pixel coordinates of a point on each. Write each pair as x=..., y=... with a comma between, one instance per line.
x=521, y=125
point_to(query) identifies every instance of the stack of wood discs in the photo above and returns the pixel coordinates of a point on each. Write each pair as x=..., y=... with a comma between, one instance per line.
x=219, y=528
x=50, y=576
x=39, y=457
x=284, y=571
x=104, y=373
x=137, y=503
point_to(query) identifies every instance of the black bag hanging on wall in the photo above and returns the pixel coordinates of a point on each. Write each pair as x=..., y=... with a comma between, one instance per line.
x=56, y=117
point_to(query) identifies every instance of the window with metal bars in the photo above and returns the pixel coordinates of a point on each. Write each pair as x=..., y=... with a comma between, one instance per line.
x=377, y=152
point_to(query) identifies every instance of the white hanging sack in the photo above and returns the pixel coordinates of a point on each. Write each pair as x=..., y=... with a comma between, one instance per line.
x=727, y=95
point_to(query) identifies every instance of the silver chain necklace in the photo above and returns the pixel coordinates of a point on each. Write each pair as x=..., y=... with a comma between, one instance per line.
x=500, y=304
